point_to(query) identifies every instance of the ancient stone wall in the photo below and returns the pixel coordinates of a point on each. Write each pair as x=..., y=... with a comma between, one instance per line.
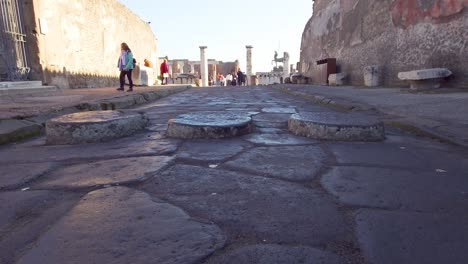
x=76, y=44
x=398, y=35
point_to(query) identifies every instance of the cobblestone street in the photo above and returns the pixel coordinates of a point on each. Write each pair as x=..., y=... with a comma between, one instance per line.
x=266, y=197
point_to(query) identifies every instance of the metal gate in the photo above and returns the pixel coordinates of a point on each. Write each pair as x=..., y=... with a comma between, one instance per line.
x=13, y=53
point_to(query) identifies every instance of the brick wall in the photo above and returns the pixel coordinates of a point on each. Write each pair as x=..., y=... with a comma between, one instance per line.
x=399, y=35
x=82, y=43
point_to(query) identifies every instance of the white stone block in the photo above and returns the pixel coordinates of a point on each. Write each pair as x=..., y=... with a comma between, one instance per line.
x=424, y=74
x=372, y=75
x=336, y=79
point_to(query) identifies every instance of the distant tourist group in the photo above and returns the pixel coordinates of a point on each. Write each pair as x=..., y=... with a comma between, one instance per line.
x=231, y=79
x=126, y=64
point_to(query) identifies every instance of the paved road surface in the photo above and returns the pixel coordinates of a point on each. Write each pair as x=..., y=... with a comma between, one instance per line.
x=268, y=197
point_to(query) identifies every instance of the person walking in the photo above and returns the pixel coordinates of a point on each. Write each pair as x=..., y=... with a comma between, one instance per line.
x=240, y=78
x=164, y=72
x=229, y=79
x=126, y=65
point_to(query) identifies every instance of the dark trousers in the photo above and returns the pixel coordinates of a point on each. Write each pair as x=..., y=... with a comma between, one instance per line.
x=122, y=78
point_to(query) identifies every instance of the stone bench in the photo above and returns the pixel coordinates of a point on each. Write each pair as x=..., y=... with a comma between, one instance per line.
x=426, y=78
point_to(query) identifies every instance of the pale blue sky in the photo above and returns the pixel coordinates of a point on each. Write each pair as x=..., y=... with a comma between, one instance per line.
x=226, y=28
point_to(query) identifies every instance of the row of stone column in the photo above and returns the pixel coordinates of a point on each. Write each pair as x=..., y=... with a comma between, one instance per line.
x=204, y=65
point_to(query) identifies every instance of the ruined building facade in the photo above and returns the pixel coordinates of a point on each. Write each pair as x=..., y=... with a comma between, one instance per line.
x=70, y=44
x=398, y=35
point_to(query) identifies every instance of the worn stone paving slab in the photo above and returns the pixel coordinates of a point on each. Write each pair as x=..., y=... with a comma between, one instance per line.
x=266, y=130
x=13, y=205
x=265, y=124
x=294, y=163
x=252, y=207
x=276, y=254
x=279, y=110
x=404, y=237
x=408, y=142
x=278, y=139
x=376, y=155
x=398, y=189
x=25, y=215
x=109, y=172
x=121, y=225
x=268, y=117
x=139, y=145
x=13, y=175
x=396, y=155
x=211, y=150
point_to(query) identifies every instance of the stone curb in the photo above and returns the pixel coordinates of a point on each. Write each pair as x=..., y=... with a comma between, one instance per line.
x=342, y=105
x=13, y=130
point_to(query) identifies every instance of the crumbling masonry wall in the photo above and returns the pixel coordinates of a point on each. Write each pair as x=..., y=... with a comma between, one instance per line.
x=398, y=35
x=76, y=44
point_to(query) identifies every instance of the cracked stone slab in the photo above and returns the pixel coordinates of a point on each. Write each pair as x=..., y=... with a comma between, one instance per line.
x=269, y=117
x=121, y=225
x=278, y=139
x=25, y=215
x=16, y=204
x=398, y=189
x=337, y=126
x=279, y=110
x=94, y=126
x=267, y=130
x=14, y=175
x=388, y=237
x=393, y=155
x=211, y=150
x=268, y=124
x=276, y=254
x=294, y=163
x=139, y=145
x=252, y=207
x=210, y=125
x=108, y=172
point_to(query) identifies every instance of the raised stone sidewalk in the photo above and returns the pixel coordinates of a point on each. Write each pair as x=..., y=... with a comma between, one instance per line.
x=440, y=115
x=23, y=116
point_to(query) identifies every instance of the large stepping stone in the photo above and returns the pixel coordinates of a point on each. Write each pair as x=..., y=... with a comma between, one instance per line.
x=210, y=125
x=337, y=126
x=96, y=126
x=121, y=225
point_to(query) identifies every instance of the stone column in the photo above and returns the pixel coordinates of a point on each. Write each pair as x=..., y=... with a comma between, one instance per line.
x=203, y=66
x=286, y=66
x=249, y=64
x=192, y=68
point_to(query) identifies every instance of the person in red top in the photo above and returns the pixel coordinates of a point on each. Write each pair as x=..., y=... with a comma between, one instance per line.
x=164, y=72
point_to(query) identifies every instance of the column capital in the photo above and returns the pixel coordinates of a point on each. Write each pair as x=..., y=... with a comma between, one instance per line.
x=203, y=47
x=249, y=47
